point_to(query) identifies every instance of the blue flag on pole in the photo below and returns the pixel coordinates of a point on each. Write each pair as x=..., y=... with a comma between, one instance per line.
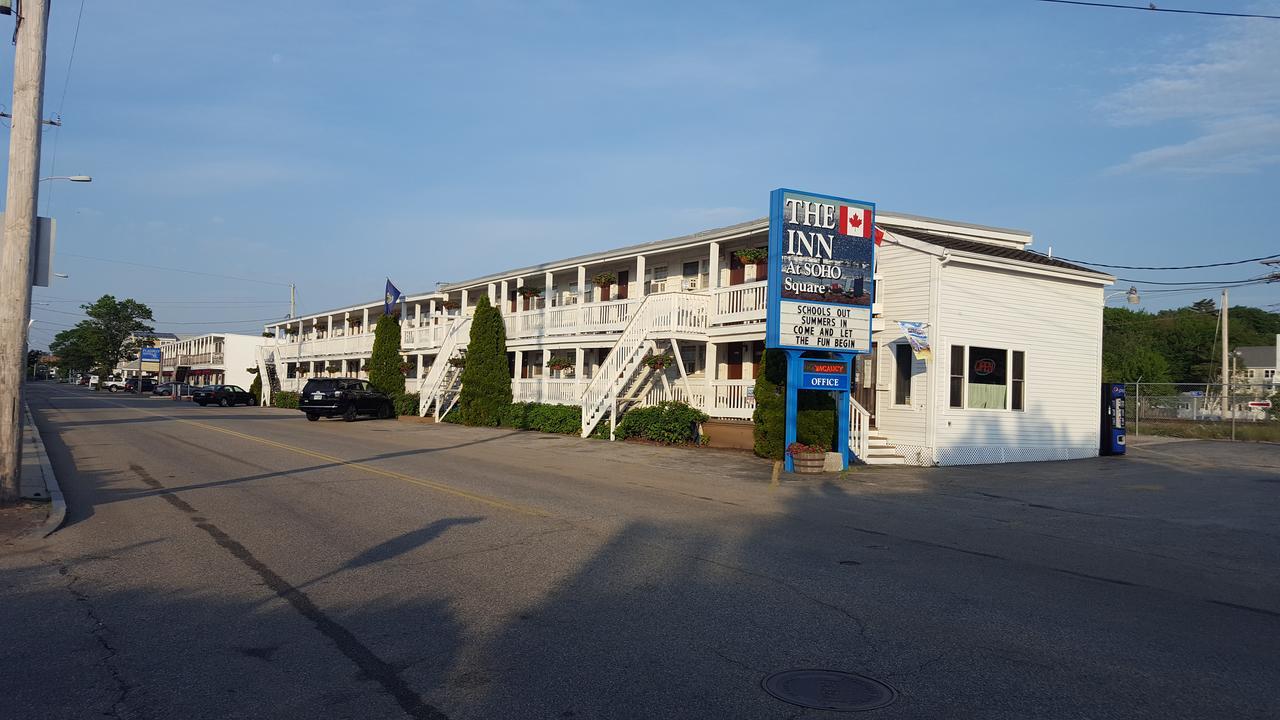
x=392, y=297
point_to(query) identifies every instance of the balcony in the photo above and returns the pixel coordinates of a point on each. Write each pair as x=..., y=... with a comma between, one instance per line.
x=327, y=347
x=549, y=390
x=740, y=303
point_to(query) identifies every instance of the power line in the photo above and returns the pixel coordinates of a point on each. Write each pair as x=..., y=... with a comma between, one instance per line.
x=1214, y=283
x=1172, y=267
x=57, y=129
x=1152, y=8
x=172, y=269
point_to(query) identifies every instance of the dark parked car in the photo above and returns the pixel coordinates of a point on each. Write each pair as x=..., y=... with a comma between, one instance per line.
x=166, y=389
x=131, y=385
x=224, y=395
x=343, y=397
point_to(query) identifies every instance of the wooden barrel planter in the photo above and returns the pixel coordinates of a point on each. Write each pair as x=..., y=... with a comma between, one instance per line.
x=808, y=463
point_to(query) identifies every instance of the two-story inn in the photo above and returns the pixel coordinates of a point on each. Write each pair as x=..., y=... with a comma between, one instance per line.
x=1015, y=336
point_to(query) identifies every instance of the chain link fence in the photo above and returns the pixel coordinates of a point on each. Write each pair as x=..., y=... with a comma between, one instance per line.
x=1200, y=410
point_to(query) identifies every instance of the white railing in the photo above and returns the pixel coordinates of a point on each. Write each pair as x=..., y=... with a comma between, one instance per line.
x=585, y=319
x=554, y=391
x=429, y=334
x=664, y=314
x=341, y=345
x=731, y=399
x=859, y=430
x=740, y=303
x=443, y=376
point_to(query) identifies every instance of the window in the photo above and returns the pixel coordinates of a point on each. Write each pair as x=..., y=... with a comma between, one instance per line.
x=987, y=378
x=902, y=375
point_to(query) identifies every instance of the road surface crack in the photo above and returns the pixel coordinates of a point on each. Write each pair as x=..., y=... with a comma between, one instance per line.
x=101, y=634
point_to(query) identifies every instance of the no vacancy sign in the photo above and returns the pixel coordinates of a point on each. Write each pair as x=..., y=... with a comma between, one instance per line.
x=822, y=252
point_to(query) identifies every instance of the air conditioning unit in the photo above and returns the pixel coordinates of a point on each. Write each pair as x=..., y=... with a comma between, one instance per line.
x=691, y=284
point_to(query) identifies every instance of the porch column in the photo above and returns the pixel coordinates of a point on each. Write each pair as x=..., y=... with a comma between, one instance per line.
x=519, y=297
x=419, y=376
x=713, y=272
x=548, y=282
x=364, y=328
x=639, y=293
x=582, y=284
x=712, y=372
x=493, y=291
x=462, y=306
x=417, y=314
x=328, y=332
x=502, y=297
x=542, y=385
x=516, y=385
x=579, y=362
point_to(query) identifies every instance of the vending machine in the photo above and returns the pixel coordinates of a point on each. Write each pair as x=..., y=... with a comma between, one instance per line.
x=1112, y=435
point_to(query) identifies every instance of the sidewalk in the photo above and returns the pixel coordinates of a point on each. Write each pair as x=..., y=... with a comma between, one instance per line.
x=44, y=507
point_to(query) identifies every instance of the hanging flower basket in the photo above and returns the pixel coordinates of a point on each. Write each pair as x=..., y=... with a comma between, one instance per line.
x=451, y=305
x=560, y=363
x=807, y=459
x=751, y=256
x=406, y=368
x=529, y=291
x=660, y=362
x=604, y=280
x=460, y=360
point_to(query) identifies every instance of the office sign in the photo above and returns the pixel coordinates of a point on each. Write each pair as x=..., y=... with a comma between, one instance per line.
x=821, y=265
x=825, y=375
x=150, y=354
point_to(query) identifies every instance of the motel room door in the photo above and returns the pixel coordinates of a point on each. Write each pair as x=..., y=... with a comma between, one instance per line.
x=864, y=381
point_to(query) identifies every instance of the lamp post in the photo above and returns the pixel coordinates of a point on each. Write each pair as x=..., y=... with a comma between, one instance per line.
x=1131, y=295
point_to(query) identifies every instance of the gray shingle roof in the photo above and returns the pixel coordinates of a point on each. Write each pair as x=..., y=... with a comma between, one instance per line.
x=1258, y=356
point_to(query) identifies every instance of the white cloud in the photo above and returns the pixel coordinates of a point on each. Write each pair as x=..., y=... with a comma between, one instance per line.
x=1227, y=91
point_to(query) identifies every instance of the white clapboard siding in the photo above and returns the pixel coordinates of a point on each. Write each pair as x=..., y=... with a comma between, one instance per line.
x=903, y=294
x=1057, y=323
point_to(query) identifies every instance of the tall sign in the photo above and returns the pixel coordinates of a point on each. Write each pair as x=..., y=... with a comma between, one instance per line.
x=822, y=259
x=822, y=252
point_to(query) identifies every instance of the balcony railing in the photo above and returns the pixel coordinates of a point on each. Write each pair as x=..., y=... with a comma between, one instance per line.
x=549, y=390
x=740, y=303
x=730, y=398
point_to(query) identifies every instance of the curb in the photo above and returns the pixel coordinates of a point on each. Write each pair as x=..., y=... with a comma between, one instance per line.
x=58, y=503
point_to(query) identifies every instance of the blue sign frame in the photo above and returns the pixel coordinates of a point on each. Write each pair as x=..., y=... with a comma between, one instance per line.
x=836, y=379
x=150, y=354
x=839, y=352
x=777, y=228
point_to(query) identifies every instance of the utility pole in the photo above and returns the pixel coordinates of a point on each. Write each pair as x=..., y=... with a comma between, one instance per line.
x=1226, y=375
x=19, y=229
x=293, y=300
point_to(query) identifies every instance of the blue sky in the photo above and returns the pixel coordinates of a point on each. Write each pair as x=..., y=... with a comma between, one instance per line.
x=332, y=144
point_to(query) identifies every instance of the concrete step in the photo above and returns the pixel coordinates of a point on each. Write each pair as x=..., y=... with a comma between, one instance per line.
x=885, y=460
x=874, y=451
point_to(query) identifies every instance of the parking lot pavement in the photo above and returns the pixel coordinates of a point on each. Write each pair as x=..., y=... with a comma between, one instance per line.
x=241, y=562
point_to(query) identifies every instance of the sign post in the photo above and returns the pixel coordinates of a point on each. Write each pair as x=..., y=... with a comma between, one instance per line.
x=821, y=270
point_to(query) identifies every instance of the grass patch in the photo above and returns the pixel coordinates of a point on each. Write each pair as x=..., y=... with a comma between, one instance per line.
x=1250, y=431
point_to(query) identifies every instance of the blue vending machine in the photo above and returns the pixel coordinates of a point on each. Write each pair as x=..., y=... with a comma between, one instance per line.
x=1112, y=436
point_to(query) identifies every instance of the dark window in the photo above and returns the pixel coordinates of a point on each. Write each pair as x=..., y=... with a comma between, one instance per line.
x=957, y=376
x=988, y=373
x=317, y=385
x=1018, y=377
x=902, y=375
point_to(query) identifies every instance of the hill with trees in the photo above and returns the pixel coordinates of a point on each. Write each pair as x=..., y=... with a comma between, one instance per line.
x=1179, y=345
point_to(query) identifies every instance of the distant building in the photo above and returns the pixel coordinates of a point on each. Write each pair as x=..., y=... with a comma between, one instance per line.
x=1261, y=365
x=211, y=359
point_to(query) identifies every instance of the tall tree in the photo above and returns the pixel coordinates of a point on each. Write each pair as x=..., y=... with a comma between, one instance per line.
x=75, y=348
x=384, y=362
x=486, y=380
x=113, y=321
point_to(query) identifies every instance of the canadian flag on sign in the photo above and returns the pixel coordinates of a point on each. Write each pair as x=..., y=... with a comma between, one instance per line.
x=855, y=221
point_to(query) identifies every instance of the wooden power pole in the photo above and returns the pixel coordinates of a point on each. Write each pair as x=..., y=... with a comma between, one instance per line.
x=19, y=230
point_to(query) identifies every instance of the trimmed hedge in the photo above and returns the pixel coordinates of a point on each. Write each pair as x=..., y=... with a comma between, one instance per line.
x=384, y=361
x=669, y=423
x=284, y=399
x=255, y=389
x=486, y=379
x=406, y=404
x=561, y=419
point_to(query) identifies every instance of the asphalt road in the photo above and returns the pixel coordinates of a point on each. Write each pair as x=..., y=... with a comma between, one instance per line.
x=244, y=563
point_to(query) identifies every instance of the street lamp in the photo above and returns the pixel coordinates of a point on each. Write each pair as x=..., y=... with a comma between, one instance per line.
x=71, y=178
x=1131, y=295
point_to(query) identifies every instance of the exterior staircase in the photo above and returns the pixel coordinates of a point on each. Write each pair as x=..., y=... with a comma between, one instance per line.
x=619, y=378
x=882, y=452
x=266, y=358
x=438, y=392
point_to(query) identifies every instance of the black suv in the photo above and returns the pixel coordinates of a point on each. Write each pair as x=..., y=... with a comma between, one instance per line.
x=131, y=385
x=343, y=397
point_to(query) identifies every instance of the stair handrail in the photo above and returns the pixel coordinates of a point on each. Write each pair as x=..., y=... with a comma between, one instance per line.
x=429, y=386
x=859, y=429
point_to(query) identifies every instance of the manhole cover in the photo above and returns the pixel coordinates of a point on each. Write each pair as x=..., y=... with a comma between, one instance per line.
x=829, y=690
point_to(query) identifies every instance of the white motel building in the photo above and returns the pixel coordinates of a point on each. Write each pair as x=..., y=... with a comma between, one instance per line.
x=1015, y=338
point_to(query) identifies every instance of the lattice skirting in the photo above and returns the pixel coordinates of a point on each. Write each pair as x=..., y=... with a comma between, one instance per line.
x=978, y=455
x=921, y=455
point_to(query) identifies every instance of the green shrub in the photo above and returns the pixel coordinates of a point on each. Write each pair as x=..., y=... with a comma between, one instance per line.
x=486, y=382
x=255, y=389
x=384, y=361
x=669, y=423
x=406, y=403
x=817, y=417
x=561, y=419
x=284, y=399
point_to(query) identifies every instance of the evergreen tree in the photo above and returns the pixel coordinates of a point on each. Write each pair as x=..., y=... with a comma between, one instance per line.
x=384, y=363
x=770, y=414
x=486, y=381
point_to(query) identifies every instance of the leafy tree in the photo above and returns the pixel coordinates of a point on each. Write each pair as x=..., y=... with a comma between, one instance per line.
x=384, y=362
x=75, y=348
x=486, y=381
